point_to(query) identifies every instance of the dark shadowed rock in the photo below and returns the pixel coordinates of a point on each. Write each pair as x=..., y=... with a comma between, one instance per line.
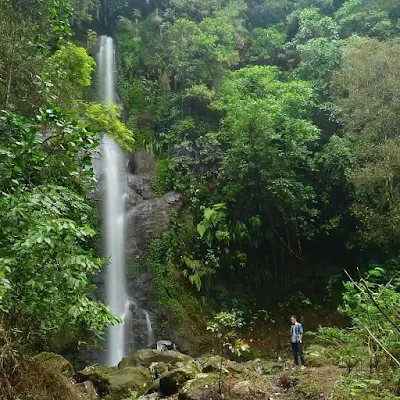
x=99, y=375
x=172, y=381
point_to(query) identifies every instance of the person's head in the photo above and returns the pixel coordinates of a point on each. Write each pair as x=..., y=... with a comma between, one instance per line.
x=293, y=319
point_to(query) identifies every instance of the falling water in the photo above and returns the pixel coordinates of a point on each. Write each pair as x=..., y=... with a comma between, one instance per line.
x=150, y=333
x=112, y=166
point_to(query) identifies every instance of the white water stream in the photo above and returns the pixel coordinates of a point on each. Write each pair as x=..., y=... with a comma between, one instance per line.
x=112, y=167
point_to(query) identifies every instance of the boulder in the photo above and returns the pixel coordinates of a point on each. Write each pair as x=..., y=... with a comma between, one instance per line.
x=146, y=357
x=157, y=369
x=55, y=362
x=213, y=364
x=99, y=375
x=245, y=390
x=128, y=381
x=241, y=389
x=203, y=386
x=172, y=381
x=317, y=356
x=88, y=390
x=154, y=387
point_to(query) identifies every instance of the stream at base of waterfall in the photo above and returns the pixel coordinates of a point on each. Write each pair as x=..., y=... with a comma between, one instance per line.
x=111, y=170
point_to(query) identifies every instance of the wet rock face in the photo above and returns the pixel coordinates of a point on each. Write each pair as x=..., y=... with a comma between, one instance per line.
x=147, y=216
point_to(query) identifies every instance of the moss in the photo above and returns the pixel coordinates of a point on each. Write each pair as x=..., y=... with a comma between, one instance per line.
x=163, y=179
x=199, y=384
x=128, y=381
x=56, y=362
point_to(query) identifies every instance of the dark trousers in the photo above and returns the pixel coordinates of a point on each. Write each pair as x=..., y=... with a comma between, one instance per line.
x=297, y=349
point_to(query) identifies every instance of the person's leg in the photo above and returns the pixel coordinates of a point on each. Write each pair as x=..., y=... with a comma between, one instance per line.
x=295, y=355
x=300, y=351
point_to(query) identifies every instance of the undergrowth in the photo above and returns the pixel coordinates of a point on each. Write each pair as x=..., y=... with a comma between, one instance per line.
x=24, y=378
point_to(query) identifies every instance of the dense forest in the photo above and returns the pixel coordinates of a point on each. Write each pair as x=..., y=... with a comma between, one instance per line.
x=277, y=121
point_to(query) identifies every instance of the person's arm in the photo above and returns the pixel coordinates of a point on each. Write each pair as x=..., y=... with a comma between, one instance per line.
x=301, y=331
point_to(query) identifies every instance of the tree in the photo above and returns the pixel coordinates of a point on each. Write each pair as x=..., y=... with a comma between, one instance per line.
x=366, y=18
x=263, y=172
x=45, y=241
x=320, y=58
x=312, y=24
x=200, y=53
x=265, y=45
x=368, y=86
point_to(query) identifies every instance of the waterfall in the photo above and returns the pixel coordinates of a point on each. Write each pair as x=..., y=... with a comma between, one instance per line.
x=113, y=168
x=150, y=333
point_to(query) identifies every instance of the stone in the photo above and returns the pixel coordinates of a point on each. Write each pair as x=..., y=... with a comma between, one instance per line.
x=99, y=375
x=55, y=361
x=203, y=386
x=128, y=381
x=317, y=356
x=157, y=369
x=247, y=389
x=154, y=387
x=241, y=389
x=88, y=390
x=153, y=396
x=213, y=364
x=172, y=381
x=146, y=357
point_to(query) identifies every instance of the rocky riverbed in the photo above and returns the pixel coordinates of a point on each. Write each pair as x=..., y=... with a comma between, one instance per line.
x=151, y=375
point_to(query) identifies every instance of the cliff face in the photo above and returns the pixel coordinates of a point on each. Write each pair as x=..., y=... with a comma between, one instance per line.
x=147, y=217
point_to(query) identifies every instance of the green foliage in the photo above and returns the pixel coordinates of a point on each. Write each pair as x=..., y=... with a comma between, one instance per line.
x=162, y=181
x=265, y=45
x=201, y=52
x=165, y=261
x=313, y=25
x=45, y=229
x=105, y=118
x=70, y=71
x=370, y=349
x=45, y=233
x=366, y=18
x=369, y=104
x=226, y=326
x=320, y=58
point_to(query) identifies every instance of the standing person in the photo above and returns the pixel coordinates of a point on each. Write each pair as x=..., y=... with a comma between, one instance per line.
x=296, y=335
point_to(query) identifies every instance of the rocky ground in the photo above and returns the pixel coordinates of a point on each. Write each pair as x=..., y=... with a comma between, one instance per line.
x=151, y=375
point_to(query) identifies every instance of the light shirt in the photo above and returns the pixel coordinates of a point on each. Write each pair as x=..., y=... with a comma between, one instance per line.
x=295, y=331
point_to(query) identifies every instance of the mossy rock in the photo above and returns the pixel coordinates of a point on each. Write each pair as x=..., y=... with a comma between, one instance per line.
x=128, y=381
x=99, y=375
x=146, y=357
x=213, y=364
x=203, y=386
x=248, y=390
x=172, y=381
x=263, y=367
x=55, y=362
x=158, y=368
x=317, y=356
